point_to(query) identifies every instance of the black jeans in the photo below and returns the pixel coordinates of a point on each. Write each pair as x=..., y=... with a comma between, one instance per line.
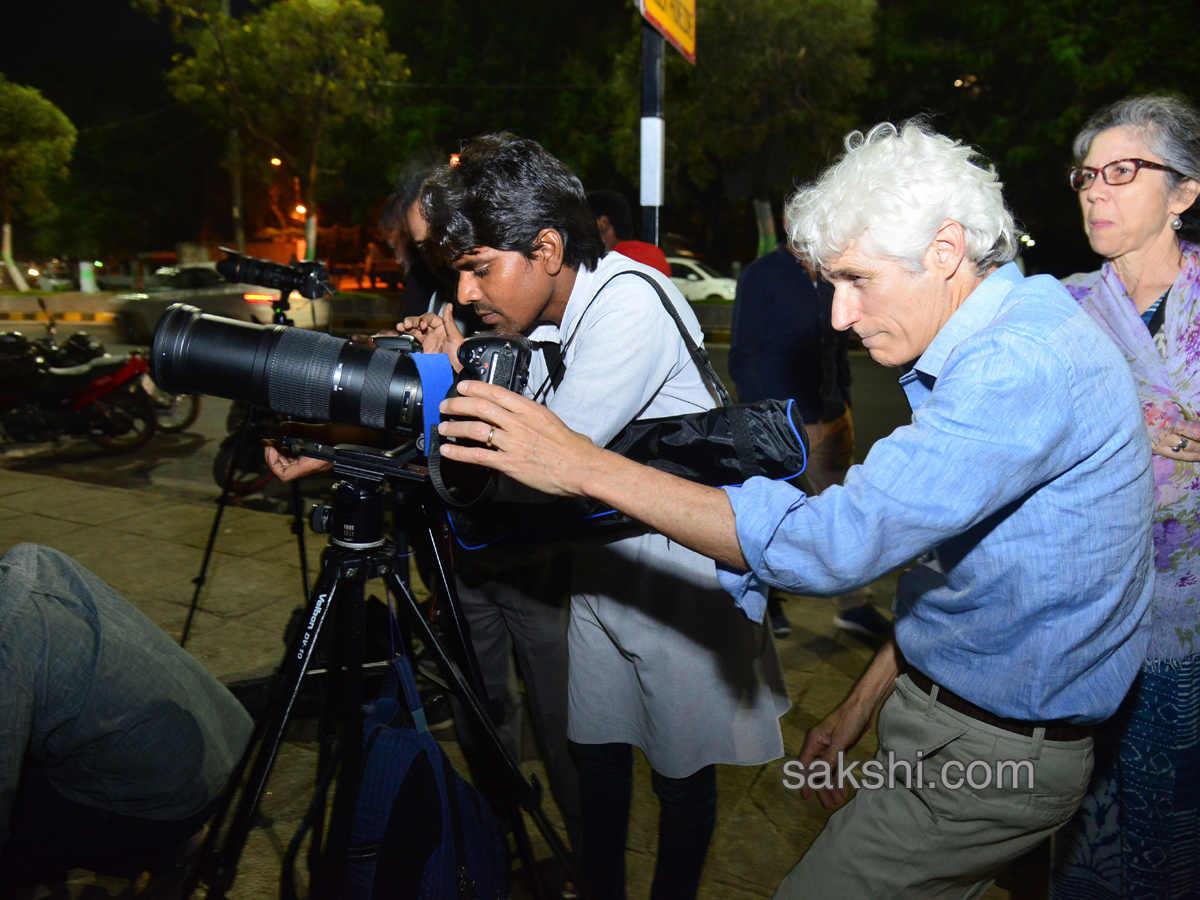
x=687, y=814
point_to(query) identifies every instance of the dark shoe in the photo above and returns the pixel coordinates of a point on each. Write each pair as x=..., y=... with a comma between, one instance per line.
x=865, y=620
x=780, y=624
x=437, y=711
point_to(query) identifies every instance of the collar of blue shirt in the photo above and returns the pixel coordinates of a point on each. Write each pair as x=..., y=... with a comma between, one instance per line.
x=975, y=314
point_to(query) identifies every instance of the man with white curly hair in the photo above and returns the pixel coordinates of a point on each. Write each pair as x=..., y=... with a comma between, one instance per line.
x=1022, y=487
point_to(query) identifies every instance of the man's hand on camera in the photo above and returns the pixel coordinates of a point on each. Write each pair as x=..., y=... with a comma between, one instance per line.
x=289, y=468
x=520, y=438
x=436, y=334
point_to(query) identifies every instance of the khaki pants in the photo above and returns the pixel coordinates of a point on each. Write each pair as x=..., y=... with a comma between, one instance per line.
x=938, y=842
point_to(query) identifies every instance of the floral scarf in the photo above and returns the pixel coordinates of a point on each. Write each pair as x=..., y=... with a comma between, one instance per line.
x=1170, y=393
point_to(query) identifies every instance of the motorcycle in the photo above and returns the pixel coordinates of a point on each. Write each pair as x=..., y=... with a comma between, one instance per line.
x=175, y=412
x=102, y=399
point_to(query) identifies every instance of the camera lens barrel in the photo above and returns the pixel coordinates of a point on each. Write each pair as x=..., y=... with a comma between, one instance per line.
x=288, y=370
x=260, y=271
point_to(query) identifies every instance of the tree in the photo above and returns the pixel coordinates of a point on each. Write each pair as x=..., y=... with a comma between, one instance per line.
x=543, y=72
x=36, y=140
x=1017, y=78
x=291, y=76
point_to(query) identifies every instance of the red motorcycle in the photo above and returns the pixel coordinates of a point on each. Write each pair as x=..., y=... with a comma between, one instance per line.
x=101, y=399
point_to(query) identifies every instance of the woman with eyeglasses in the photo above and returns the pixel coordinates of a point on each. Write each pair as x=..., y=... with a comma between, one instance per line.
x=1137, y=833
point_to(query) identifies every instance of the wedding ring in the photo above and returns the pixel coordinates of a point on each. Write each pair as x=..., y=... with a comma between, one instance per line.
x=492, y=434
x=1182, y=445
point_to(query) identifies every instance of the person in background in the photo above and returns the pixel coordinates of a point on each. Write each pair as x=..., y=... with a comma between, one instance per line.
x=427, y=283
x=1137, y=177
x=116, y=743
x=615, y=221
x=784, y=347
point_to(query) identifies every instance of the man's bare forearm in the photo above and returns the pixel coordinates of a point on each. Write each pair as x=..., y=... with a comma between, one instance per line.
x=878, y=681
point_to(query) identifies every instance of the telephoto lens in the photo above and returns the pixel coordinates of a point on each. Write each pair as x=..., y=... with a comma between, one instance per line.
x=315, y=376
x=309, y=279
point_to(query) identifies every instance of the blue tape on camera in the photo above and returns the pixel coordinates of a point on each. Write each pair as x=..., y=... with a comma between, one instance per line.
x=437, y=375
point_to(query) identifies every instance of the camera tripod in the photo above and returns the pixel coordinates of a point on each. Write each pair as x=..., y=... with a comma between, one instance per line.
x=358, y=551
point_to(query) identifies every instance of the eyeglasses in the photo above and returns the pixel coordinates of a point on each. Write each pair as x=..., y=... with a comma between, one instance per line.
x=1121, y=171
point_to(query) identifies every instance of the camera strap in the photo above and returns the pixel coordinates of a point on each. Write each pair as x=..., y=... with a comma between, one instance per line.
x=552, y=352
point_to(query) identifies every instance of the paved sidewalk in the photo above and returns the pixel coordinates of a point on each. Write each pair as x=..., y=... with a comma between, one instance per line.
x=150, y=547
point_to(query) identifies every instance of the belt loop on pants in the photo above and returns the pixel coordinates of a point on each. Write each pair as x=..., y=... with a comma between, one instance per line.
x=1035, y=749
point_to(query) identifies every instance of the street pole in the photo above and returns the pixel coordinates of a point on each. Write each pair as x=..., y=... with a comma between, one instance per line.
x=653, y=133
x=235, y=170
x=235, y=173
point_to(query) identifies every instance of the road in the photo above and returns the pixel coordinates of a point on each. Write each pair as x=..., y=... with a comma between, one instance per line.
x=180, y=465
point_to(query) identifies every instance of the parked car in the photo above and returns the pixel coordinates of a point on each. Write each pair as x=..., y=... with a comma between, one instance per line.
x=699, y=281
x=203, y=287
x=54, y=275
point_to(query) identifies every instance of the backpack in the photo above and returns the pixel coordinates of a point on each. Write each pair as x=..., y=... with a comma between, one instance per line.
x=419, y=830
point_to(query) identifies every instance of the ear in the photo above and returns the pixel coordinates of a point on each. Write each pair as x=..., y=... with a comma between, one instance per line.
x=548, y=248
x=1184, y=196
x=947, y=250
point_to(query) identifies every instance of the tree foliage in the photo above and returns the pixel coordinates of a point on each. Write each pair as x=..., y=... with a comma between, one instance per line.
x=1017, y=78
x=541, y=71
x=774, y=88
x=291, y=76
x=36, y=140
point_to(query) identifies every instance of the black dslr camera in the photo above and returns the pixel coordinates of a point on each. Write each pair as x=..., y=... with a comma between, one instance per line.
x=316, y=376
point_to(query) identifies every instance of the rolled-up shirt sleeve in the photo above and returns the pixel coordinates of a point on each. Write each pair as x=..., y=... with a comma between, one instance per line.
x=991, y=432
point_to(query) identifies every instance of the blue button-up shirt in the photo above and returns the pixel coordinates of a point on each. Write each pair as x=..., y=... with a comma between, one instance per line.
x=1023, y=485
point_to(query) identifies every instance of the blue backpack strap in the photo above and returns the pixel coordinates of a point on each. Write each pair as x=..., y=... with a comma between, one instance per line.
x=404, y=674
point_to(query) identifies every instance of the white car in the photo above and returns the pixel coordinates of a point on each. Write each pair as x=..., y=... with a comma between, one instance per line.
x=699, y=281
x=203, y=287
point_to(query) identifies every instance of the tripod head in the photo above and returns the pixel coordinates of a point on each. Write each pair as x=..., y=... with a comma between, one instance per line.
x=354, y=519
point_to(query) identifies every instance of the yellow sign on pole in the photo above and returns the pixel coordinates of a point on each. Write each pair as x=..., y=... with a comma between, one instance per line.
x=676, y=21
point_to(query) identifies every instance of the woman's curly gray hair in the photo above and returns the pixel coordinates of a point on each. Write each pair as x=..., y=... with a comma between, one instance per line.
x=892, y=190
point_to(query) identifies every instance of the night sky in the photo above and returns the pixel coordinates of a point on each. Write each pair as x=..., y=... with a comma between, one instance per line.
x=86, y=56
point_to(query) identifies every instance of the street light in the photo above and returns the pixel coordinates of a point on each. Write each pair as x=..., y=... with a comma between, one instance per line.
x=276, y=161
x=301, y=208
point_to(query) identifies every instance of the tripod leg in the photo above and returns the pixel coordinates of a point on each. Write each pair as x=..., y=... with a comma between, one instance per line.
x=350, y=627
x=272, y=726
x=298, y=530
x=459, y=630
x=222, y=502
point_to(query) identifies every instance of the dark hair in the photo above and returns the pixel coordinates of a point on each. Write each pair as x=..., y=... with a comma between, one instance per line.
x=616, y=208
x=405, y=191
x=500, y=193
x=1170, y=125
